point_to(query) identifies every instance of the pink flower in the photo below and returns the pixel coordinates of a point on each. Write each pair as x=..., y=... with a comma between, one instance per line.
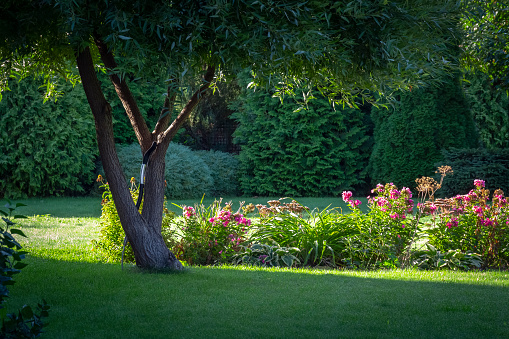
x=479, y=183
x=487, y=222
x=355, y=203
x=432, y=208
x=452, y=223
x=188, y=211
x=382, y=202
x=395, y=216
x=478, y=210
x=346, y=196
x=395, y=194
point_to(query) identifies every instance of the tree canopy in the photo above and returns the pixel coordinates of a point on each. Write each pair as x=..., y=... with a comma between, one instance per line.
x=345, y=47
x=486, y=41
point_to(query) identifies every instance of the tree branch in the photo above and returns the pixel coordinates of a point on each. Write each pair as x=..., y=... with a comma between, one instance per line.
x=165, y=116
x=170, y=132
x=124, y=94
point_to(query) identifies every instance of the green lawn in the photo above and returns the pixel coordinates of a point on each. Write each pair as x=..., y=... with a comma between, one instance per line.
x=91, y=206
x=97, y=300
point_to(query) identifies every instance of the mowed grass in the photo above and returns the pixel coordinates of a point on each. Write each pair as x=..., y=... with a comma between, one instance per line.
x=90, y=299
x=90, y=207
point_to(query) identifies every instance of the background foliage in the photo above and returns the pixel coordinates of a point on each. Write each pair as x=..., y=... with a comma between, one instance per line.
x=311, y=152
x=188, y=174
x=409, y=139
x=490, y=110
x=45, y=148
x=470, y=164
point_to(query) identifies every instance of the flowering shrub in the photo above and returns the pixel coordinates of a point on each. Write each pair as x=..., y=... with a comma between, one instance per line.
x=471, y=224
x=384, y=232
x=208, y=235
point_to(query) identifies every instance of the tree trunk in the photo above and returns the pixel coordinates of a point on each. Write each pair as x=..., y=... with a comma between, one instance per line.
x=143, y=230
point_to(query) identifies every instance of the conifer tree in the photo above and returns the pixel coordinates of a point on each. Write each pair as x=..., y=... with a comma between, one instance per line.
x=410, y=137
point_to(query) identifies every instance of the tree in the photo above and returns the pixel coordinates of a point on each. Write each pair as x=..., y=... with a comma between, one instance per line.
x=319, y=151
x=486, y=40
x=410, y=139
x=346, y=48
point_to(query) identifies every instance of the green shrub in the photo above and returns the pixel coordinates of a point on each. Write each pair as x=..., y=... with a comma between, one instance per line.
x=187, y=175
x=45, y=149
x=490, y=109
x=470, y=164
x=110, y=244
x=385, y=232
x=410, y=138
x=431, y=258
x=285, y=151
x=267, y=256
x=223, y=169
x=319, y=235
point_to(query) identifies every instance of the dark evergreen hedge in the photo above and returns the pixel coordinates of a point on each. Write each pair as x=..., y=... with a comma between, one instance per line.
x=45, y=148
x=319, y=151
x=409, y=139
x=492, y=166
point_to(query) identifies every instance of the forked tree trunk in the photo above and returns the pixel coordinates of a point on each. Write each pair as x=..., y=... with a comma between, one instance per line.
x=143, y=230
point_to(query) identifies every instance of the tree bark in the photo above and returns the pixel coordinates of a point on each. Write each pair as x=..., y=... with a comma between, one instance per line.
x=143, y=231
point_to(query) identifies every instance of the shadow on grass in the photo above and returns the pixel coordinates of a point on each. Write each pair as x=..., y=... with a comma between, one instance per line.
x=101, y=301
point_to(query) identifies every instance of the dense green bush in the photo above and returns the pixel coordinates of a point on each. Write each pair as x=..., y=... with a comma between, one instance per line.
x=410, y=137
x=223, y=169
x=470, y=164
x=490, y=109
x=188, y=174
x=315, y=151
x=45, y=148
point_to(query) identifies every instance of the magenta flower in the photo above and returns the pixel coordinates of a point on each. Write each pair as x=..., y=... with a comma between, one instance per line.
x=395, y=194
x=354, y=203
x=478, y=210
x=188, y=211
x=346, y=196
x=432, y=208
x=452, y=223
x=479, y=183
x=382, y=202
x=487, y=222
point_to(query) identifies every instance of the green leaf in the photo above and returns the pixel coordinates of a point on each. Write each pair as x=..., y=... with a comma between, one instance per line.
x=17, y=231
x=26, y=312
